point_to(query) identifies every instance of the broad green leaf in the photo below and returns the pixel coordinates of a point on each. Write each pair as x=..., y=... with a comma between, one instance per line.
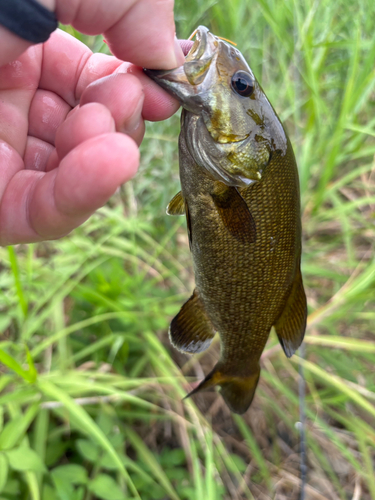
x=65, y=491
x=239, y=463
x=88, y=450
x=79, y=493
x=169, y=457
x=105, y=487
x=55, y=451
x=106, y=462
x=24, y=459
x=105, y=422
x=49, y=493
x=71, y=473
x=13, y=488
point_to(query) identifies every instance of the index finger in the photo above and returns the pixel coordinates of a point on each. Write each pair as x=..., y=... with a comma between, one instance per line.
x=69, y=67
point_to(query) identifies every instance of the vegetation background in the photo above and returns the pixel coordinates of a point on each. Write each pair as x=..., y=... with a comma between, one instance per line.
x=90, y=388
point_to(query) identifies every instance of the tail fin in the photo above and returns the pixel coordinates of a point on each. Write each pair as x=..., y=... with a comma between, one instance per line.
x=237, y=392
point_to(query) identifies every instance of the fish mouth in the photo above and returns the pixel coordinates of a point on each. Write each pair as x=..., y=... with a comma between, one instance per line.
x=186, y=82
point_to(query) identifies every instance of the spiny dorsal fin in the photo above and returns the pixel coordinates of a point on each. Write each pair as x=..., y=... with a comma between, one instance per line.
x=177, y=205
x=291, y=325
x=191, y=330
x=234, y=212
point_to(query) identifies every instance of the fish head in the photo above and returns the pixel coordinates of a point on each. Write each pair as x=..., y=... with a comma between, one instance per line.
x=230, y=126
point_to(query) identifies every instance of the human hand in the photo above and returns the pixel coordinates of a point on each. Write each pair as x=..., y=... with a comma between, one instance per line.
x=61, y=111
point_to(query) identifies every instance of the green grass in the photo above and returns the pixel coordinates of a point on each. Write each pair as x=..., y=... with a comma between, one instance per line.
x=90, y=388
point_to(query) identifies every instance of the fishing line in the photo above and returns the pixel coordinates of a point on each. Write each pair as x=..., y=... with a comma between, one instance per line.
x=302, y=421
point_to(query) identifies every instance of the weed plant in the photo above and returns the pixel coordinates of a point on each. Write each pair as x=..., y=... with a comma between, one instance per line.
x=90, y=388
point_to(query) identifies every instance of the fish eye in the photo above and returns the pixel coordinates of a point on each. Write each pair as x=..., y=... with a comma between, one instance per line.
x=242, y=83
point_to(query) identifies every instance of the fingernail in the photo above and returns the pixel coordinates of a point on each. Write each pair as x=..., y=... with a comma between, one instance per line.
x=132, y=123
x=180, y=58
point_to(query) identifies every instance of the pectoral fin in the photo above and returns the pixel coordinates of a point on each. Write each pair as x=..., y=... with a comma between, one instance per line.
x=291, y=325
x=191, y=330
x=177, y=205
x=234, y=212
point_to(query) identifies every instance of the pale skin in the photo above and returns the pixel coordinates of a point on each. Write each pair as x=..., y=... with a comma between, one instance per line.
x=71, y=121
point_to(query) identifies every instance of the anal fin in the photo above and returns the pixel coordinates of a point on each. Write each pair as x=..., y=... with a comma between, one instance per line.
x=234, y=212
x=191, y=330
x=177, y=205
x=291, y=325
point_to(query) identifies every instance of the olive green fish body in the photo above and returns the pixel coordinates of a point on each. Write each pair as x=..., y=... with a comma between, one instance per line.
x=244, y=286
x=240, y=193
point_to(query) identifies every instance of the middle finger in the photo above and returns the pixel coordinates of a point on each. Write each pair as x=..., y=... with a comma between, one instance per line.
x=47, y=112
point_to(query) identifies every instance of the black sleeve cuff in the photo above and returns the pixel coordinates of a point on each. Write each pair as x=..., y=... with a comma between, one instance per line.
x=28, y=19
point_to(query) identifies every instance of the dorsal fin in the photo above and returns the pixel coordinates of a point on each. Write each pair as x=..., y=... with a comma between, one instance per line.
x=291, y=325
x=177, y=205
x=234, y=212
x=191, y=330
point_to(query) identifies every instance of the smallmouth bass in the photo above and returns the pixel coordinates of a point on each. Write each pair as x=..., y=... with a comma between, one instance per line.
x=240, y=194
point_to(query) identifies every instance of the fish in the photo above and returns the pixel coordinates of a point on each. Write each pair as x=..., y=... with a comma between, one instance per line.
x=240, y=195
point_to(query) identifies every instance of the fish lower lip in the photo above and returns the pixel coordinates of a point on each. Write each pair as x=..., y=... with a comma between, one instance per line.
x=176, y=76
x=156, y=73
